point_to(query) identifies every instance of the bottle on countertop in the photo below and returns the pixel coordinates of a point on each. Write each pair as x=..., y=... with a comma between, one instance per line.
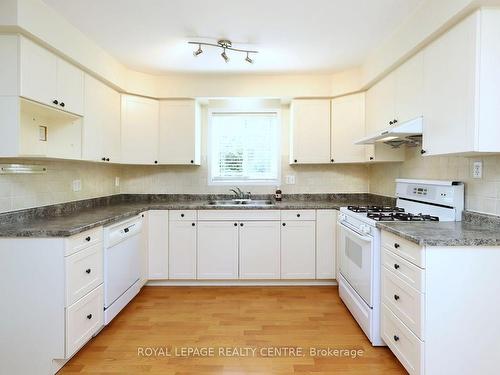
x=277, y=195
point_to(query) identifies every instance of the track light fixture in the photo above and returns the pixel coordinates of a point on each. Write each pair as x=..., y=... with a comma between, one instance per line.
x=225, y=45
x=198, y=51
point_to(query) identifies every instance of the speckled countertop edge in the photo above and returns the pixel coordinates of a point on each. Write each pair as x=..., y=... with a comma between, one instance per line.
x=65, y=220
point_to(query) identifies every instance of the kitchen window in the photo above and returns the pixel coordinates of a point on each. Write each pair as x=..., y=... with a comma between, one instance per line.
x=244, y=148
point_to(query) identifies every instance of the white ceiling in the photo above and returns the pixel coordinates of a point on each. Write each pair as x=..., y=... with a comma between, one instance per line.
x=291, y=35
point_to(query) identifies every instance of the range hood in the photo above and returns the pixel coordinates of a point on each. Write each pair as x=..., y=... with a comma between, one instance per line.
x=409, y=132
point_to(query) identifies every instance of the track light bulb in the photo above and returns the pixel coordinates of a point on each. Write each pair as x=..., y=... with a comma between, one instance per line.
x=248, y=59
x=224, y=56
x=198, y=51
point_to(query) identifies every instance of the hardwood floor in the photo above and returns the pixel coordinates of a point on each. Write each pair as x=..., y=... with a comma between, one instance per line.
x=258, y=318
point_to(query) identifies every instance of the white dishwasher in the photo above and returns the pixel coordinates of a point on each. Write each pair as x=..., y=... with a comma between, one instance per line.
x=122, y=265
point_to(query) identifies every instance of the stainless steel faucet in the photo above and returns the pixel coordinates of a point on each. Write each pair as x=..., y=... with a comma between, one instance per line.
x=237, y=191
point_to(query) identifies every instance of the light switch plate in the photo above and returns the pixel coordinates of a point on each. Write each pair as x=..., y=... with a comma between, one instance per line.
x=477, y=169
x=77, y=185
x=290, y=180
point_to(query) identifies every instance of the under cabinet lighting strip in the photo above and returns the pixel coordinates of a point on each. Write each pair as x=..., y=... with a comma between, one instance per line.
x=21, y=169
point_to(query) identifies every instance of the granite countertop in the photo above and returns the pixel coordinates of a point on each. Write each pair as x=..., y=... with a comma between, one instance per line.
x=475, y=230
x=65, y=220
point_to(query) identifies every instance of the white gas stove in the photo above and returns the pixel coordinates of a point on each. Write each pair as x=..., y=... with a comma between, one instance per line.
x=359, y=279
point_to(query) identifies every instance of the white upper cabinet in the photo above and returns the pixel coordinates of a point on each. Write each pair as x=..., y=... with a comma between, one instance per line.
x=48, y=79
x=409, y=81
x=180, y=132
x=310, y=131
x=462, y=88
x=101, y=124
x=348, y=125
x=380, y=105
x=139, y=130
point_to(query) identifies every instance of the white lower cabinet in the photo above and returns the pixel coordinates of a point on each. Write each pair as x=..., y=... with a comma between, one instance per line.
x=217, y=250
x=326, y=244
x=182, y=249
x=158, y=244
x=298, y=249
x=260, y=250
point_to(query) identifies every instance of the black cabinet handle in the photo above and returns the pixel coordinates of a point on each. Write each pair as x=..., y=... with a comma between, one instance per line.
x=107, y=159
x=396, y=338
x=295, y=161
x=396, y=297
x=192, y=161
x=422, y=152
x=394, y=121
x=371, y=157
x=396, y=245
x=391, y=122
x=88, y=270
x=332, y=160
x=103, y=159
x=156, y=161
x=193, y=224
x=298, y=215
x=284, y=224
x=182, y=215
x=87, y=239
x=55, y=101
x=62, y=104
x=89, y=316
x=235, y=224
x=241, y=224
x=396, y=266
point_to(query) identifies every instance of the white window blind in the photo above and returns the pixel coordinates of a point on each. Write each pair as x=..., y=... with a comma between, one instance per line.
x=244, y=148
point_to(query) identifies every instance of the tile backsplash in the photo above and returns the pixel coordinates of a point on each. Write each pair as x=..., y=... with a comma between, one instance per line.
x=18, y=191
x=481, y=195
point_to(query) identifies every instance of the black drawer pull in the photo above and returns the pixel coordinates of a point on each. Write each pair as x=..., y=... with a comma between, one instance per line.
x=396, y=297
x=182, y=215
x=298, y=215
x=235, y=224
x=396, y=245
x=88, y=270
x=193, y=224
x=396, y=338
x=88, y=239
x=284, y=224
x=89, y=316
x=241, y=224
x=396, y=266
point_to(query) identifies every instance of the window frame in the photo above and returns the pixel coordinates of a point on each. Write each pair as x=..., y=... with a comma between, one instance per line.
x=239, y=182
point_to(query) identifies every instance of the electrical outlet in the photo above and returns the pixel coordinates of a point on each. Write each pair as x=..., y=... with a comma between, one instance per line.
x=77, y=185
x=117, y=181
x=290, y=180
x=477, y=169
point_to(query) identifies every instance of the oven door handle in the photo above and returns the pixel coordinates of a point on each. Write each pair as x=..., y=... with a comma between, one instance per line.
x=360, y=236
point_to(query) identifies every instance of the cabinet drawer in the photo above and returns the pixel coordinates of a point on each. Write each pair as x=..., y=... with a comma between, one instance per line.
x=84, y=272
x=83, y=240
x=408, y=250
x=289, y=215
x=182, y=215
x=410, y=273
x=402, y=342
x=83, y=319
x=404, y=301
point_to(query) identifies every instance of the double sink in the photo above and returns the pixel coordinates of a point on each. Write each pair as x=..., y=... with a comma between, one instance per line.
x=241, y=202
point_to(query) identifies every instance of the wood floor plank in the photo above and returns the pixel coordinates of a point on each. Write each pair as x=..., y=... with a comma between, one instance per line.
x=259, y=318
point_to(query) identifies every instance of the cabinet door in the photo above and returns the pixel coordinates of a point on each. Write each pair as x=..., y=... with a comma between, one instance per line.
x=310, y=131
x=217, y=250
x=182, y=250
x=179, y=132
x=38, y=73
x=449, y=76
x=260, y=250
x=69, y=87
x=409, y=80
x=380, y=105
x=348, y=126
x=158, y=244
x=139, y=130
x=101, y=130
x=298, y=252
x=326, y=244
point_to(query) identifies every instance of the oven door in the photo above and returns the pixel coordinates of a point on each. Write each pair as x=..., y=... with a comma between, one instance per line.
x=356, y=259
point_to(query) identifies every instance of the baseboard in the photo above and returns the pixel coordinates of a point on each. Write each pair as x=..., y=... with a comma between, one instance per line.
x=241, y=282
